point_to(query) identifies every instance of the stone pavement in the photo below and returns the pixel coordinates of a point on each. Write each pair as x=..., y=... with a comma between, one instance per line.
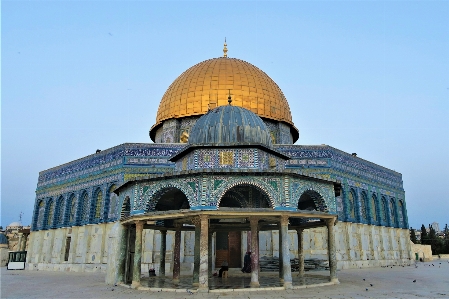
x=395, y=282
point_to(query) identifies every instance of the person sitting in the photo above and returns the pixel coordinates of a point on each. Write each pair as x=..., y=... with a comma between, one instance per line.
x=224, y=267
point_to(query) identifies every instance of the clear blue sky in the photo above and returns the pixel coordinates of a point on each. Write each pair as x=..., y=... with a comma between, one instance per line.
x=364, y=77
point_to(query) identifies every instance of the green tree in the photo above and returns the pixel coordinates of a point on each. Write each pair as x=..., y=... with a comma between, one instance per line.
x=424, y=238
x=446, y=240
x=413, y=236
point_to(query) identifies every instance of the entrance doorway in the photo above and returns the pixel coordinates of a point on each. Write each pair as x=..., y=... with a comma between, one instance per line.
x=228, y=247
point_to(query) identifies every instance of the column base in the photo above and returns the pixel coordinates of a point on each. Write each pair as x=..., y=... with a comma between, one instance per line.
x=254, y=284
x=176, y=280
x=288, y=285
x=135, y=284
x=335, y=280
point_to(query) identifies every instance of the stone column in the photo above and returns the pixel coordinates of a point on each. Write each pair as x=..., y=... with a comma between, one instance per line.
x=286, y=266
x=137, y=255
x=204, y=254
x=122, y=256
x=19, y=245
x=196, y=251
x=162, y=253
x=177, y=254
x=331, y=250
x=281, y=277
x=254, y=222
x=209, y=247
x=300, y=251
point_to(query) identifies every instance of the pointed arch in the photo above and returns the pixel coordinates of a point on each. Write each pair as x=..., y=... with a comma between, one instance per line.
x=97, y=211
x=244, y=196
x=374, y=207
x=260, y=185
x=312, y=200
x=59, y=211
x=351, y=201
x=50, y=213
x=111, y=202
x=363, y=206
x=383, y=210
x=152, y=193
x=392, y=212
x=71, y=209
x=84, y=207
x=41, y=214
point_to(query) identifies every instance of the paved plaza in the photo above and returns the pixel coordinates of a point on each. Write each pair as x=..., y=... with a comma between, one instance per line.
x=432, y=281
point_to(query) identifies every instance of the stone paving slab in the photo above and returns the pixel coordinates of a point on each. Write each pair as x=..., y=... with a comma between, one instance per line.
x=432, y=281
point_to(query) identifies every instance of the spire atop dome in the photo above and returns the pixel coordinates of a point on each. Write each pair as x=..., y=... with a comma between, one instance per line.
x=229, y=97
x=225, y=49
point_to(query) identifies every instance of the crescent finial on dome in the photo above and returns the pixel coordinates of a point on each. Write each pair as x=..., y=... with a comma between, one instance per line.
x=225, y=49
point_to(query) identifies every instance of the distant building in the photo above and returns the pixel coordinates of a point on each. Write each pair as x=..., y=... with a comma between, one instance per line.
x=17, y=235
x=436, y=226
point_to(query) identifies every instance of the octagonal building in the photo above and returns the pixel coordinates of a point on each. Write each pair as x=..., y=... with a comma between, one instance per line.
x=223, y=177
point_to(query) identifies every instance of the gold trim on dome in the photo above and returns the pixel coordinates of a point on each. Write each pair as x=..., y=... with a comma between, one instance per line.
x=207, y=84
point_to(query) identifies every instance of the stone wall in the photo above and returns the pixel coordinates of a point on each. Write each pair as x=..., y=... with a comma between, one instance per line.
x=4, y=256
x=423, y=251
x=358, y=245
x=88, y=249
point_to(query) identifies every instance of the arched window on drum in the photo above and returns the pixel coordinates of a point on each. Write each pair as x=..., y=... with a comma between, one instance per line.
x=351, y=200
x=60, y=207
x=50, y=213
x=363, y=201
x=85, y=208
x=374, y=207
x=98, y=205
x=40, y=217
x=72, y=210
x=392, y=212
x=383, y=209
x=401, y=213
x=113, y=201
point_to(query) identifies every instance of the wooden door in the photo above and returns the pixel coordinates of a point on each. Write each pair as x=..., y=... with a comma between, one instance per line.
x=228, y=247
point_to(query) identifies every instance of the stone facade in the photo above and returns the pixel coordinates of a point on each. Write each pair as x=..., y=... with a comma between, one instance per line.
x=357, y=245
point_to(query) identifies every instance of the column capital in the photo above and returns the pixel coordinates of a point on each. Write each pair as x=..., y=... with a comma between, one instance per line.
x=196, y=221
x=330, y=221
x=163, y=231
x=139, y=223
x=284, y=219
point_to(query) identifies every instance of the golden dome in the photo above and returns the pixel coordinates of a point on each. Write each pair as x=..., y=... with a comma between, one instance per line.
x=208, y=83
